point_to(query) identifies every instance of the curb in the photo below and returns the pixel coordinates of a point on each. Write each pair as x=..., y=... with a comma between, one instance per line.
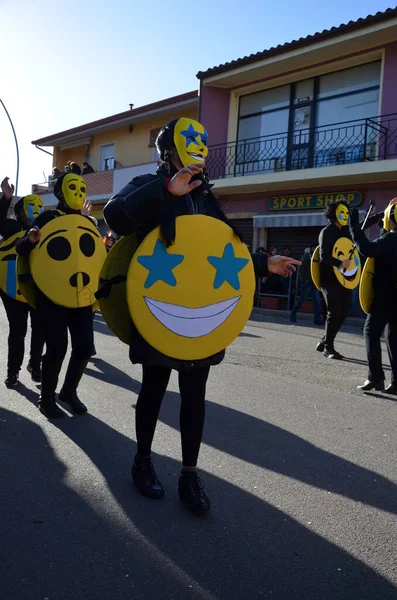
x=262, y=314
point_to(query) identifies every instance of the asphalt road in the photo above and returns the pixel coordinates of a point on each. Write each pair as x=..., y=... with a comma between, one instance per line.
x=300, y=468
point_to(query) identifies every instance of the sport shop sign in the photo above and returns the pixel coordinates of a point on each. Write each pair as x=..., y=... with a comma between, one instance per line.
x=313, y=201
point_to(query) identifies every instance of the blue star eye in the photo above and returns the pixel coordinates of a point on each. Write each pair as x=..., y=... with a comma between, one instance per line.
x=228, y=267
x=191, y=134
x=204, y=138
x=160, y=265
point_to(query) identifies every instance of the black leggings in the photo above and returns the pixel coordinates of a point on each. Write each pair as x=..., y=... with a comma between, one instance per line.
x=192, y=385
x=17, y=315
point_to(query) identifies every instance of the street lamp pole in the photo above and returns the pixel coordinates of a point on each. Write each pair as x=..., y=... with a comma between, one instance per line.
x=16, y=145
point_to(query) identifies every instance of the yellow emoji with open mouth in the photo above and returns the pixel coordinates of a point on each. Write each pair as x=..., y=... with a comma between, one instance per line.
x=66, y=263
x=191, y=300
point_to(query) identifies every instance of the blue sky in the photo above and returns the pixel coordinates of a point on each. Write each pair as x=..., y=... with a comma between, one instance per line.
x=67, y=63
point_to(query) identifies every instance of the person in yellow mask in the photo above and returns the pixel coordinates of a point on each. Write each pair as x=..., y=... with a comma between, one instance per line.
x=179, y=194
x=383, y=311
x=62, y=247
x=26, y=210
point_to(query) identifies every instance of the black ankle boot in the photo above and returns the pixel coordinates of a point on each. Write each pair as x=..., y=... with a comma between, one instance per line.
x=35, y=372
x=145, y=478
x=12, y=380
x=191, y=492
x=68, y=392
x=49, y=408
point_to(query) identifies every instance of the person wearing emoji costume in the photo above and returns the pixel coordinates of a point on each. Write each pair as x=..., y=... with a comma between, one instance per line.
x=63, y=247
x=162, y=211
x=340, y=271
x=383, y=309
x=17, y=309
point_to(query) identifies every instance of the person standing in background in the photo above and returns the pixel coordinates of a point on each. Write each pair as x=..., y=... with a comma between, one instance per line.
x=307, y=288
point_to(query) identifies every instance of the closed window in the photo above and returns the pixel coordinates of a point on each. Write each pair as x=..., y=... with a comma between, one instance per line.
x=106, y=161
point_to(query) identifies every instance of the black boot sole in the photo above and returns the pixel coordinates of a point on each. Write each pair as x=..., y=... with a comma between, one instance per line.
x=76, y=409
x=57, y=414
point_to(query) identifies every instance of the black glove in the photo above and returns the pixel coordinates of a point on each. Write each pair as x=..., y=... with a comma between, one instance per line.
x=354, y=217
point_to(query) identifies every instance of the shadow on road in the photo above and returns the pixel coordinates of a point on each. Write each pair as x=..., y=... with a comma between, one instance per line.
x=245, y=548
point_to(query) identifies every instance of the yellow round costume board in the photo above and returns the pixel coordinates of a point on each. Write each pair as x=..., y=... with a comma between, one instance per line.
x=113, y=302
x=67, y=261
x=8, y=268
x=366, y=292
x=25, y=281
x=191, y=300
x=315, y=268
x=350, y=277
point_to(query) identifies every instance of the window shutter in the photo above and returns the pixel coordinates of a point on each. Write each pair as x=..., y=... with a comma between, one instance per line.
x=153, y=136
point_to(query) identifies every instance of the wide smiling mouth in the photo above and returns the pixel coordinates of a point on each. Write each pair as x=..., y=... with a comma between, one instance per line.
x=196, y=156
x=350, y=275
x=192, y=322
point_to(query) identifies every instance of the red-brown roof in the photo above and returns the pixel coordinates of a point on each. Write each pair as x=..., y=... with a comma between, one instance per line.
x=390, y=13
x=118, y=117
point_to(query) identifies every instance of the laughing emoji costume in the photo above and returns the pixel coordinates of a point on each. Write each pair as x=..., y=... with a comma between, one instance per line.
x=63, y=267
x=184, y=290
x=335, y=279
x=26, y=210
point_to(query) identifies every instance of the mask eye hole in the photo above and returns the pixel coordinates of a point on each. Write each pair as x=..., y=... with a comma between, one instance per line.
x=87, y=244
x=72, y=186
x=82, y=189
x=59, y=248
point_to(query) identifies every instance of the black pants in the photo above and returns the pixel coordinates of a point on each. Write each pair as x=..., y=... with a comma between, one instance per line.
x=377, y=319
x=56, y=321
x=192, y=386
x=17, y=315
x=338, y=301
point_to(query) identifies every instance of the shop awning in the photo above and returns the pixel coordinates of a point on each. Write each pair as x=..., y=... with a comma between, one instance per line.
x=302, y=219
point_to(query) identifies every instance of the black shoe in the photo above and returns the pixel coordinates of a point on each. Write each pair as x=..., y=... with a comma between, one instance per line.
x=191, y=492
x=370, y=385
x=318, y=322
x=12, y=380
x=49, y=408
x=292, y=318
x=333, y=355
x=73, y=401
x=35, y=373
x=145, y=478
x=93, y=350
x=391, y=389
x=320, y=347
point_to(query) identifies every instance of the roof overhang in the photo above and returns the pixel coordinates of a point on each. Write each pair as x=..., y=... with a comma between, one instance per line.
x=78, y=136
x=306, y=56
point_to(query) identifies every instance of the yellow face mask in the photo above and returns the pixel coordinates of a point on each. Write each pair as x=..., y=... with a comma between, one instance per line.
x=389, y=216
x=74, y=191
x=342, y=215
x=32, y=207
x=191, y=142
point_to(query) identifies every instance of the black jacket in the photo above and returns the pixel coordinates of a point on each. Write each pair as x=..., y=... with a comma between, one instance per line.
x=384, y=251
x=8, y=227
x=141, y=206
x=327, y=239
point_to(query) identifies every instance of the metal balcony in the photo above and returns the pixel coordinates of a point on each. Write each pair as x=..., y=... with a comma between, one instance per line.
x=345, y=143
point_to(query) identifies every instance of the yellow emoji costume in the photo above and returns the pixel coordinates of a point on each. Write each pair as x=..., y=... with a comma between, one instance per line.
x=66, y=263
x=191, y=300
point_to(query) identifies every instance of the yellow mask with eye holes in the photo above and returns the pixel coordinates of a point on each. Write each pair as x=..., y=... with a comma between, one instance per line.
x=342, y=215
x=66, y=263
x=390, y=216
x=74, y=191
x=32, y=207
x=191, y=142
